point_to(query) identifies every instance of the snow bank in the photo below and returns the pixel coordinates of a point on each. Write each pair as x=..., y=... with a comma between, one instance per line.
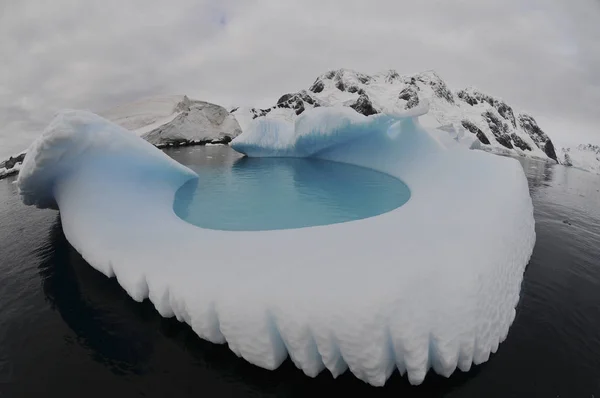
x=432, y=284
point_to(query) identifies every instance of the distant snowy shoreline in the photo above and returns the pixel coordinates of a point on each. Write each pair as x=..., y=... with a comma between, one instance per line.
x=468, y=116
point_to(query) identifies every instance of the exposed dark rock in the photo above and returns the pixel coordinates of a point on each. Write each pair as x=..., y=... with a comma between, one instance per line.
x=330, y=74
x=12, y=161
x=317, y=86
x=476, y=130
x=409, y=94
x=519, y=143
x=364, y=79
x=550, y=151
x=284, y=98
x=499, y=129
x=467, y=97
x=474, y=97
x=340, y=85
x=505, y=141
x=540, y=138
x=441, y=90
x=506, y=112
x=171, y=143
x=259, y=112
x=296, y=101
x=299, y=107
x=355, y=89
x=7, y=166
x=486, y=98
x=225, y=140
x=364, y=106
x=307, y=98
x=234, y=109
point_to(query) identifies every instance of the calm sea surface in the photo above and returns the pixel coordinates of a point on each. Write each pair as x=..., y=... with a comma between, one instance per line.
x=68, y=331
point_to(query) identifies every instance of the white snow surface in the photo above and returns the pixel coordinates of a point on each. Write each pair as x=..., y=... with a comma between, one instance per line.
x=175, y=119
x=137, y=116
x=431, y=284
x=585, y=157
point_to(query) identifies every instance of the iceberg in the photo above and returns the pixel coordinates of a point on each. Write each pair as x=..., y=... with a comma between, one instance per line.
x=169, y=120
x=432, y=284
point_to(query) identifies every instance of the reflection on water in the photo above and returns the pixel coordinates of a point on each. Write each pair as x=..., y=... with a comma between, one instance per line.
x=103, y=329
x=77, y=333
x=131, y=339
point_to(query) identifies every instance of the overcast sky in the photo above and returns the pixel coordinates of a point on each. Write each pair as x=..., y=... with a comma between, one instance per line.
x=541, y=56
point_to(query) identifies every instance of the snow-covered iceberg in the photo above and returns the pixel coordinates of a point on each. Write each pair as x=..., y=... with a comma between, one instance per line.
x=431, y=284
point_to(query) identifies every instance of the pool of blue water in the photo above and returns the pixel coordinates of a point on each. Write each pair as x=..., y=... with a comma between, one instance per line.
x=253, y=194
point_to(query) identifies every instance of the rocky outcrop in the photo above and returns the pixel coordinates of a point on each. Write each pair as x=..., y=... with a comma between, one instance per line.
x=318, y=86
x=11, y=165
x=409, y=94
x=519, y=143
x=298, y=101
x=470, y=126
x=438, y=85
x=499, y=129
x=541, y=139
x=474, y=97
x=12, y=161
x=364, y=106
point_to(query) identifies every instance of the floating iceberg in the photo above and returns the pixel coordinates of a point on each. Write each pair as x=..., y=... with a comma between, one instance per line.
x=431, y=284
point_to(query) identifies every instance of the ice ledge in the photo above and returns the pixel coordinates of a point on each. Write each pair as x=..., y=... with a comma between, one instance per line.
x=432, y=284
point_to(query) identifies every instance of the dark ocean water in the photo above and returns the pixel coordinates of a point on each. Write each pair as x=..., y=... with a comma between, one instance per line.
x=68, y=331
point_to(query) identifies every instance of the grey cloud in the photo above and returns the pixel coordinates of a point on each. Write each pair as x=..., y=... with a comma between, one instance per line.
x=540, y=55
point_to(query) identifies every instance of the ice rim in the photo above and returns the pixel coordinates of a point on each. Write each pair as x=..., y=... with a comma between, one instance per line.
x=432, y=284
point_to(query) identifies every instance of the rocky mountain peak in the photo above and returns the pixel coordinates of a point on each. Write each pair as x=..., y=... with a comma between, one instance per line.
x=530, y=126
x=490, y=119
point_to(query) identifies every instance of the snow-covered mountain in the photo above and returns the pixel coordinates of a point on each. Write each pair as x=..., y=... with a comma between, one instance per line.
x=467, y=115
x=176, y=120
x=585, y=157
